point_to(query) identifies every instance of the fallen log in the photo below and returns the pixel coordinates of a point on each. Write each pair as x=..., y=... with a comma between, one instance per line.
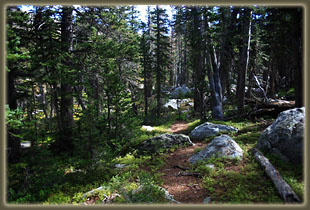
x=285, y=191
x=188, y=174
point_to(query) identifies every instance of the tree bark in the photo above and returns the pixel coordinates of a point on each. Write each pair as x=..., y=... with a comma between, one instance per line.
x=198, y=72
x=213, y=75
x=64, y=144
x=158, y=64
x=244, y=60
x=285, y=191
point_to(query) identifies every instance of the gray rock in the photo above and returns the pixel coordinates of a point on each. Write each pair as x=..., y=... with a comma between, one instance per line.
x=221, y=146
x=162, y=142
x=209, y=129
x=206, y=200
x=167, y=195
x=180, y=91
x=176, y=103
x=120, y=165
x=285, y=135
x=172, y=103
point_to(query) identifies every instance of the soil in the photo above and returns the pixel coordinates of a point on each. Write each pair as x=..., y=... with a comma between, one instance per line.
x=178, y=127
x=185, y=189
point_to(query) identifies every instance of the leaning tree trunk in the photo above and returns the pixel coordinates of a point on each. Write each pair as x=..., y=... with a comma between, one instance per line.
x=213, y=75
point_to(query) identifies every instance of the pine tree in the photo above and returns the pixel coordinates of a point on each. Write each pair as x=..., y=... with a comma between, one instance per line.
x=161, y=48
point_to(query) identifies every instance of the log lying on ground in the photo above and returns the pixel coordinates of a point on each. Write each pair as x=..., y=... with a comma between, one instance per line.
x=283, y=188
x=188, y=174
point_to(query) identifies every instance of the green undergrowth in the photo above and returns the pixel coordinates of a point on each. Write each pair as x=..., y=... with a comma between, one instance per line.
x=291, y=173
x=42, y=178
x=244, y=181
x=64, y=180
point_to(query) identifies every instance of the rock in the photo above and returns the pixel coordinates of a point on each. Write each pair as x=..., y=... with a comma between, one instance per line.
x=167, y=195
x=285, y=136
x=120, y=166
x=209, y=129
x=172, y=103
x=162, y=142
x=211, y=166
x=175, y=104
x=221, y=146
x=206, y=200
x=92, y=195
x=148, y=128
x=179, y=92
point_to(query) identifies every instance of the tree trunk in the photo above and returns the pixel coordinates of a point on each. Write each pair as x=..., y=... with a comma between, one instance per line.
x=198, y=73
x=244, y=60
x=158, y=65
x=64, y=144
x=214, y=76
x=285, y=191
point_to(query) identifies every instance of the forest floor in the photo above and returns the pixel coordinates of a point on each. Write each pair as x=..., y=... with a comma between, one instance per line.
x=185, y=189
x=193, y=189
x=65, y=180
x=178, y=127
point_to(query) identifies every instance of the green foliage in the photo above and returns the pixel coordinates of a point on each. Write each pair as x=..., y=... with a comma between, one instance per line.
x=103, y=70
x=14, y=118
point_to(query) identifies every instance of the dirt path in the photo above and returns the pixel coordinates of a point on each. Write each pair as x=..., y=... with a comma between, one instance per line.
x=185, y=189
x=178, y=127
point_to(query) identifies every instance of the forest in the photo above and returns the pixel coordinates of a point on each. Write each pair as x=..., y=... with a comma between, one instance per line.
x=187, y=105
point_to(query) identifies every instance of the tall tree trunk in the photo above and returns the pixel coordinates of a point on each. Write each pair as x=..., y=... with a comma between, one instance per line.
x=64, y=144
x=198, y=76
x=145, y=84
x=158, y=64
x=244, y=60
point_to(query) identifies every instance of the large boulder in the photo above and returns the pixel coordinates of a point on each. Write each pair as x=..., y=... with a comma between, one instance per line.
x=285, y=136
x=209, y=129
x=180, y=92
x=163, y=142
x=221, y=146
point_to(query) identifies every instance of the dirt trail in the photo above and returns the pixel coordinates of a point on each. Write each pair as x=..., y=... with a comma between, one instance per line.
x=185, y=189
x=178, y=127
